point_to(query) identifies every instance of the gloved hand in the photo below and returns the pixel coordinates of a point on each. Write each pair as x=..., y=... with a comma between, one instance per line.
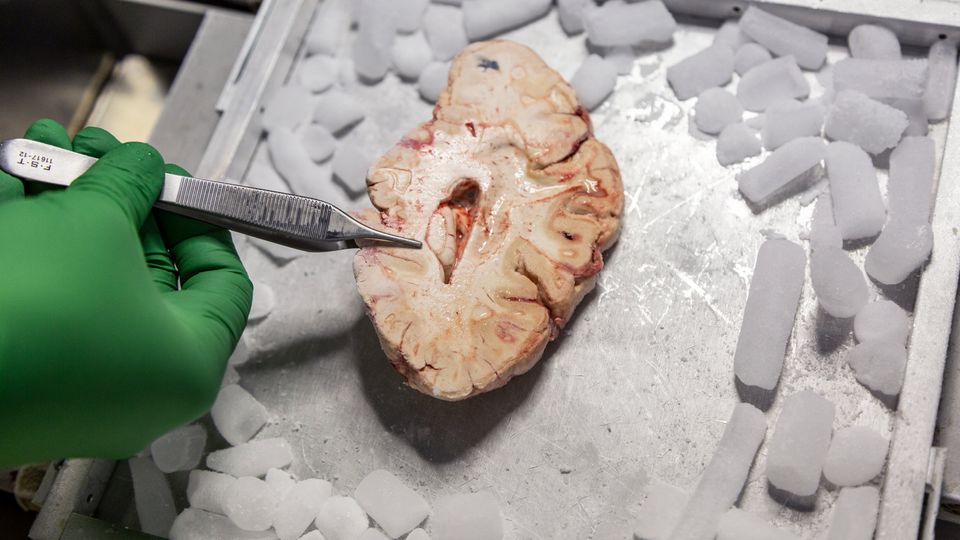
x=100, y=351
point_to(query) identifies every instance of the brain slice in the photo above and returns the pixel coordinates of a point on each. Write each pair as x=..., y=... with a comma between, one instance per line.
x=514, y=200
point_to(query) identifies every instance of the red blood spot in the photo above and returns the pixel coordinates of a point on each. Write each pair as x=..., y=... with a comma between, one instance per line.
x=503, y=332
x=473, y=130
x=370, y=255
x=417, y=144
x=521, y=299
x=585, y=116
x=463, y=205
x=391, y=221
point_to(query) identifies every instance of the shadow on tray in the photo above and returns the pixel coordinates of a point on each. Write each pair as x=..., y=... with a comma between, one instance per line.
x=440, y=431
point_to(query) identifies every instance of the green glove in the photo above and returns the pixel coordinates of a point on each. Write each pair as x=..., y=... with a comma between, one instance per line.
x=100, y=352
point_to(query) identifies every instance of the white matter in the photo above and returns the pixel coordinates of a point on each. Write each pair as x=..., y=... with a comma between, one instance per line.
x=410, y=55
x=783, y=37
x=881, y=79
x=284, y=108
x=784, y=165
x=941, y=79
x=152, y=497
x=788, y=120
x=858, y=207
x=660, y=512
x=336, y=110
x=594, y=80
x=433, y=80
x=724, y=477
x=736, y=143
x=263, y=301
x=716, y=109
x=910, y=187
x=253, y=458
x=396, y=508
x=237, y=414
x=443, y=28
x=865, y=122
x=250, y=504
x=737, y=524
x=180, y=449
x=838, y=282
x=873, y=42
x=770, y=82
x=206, y=490
x=901, y=248
x=879, y=366
x=317, y=73
x=614, y=24
x=882, y=320
x=799, y=445
x=318, y=141
x=748, y=56
x=823, y=229
x=341, y=518
x=468, y=516
x=856, y=456
x=710, y=67
x=196, y=524
x=854, y=514
x=487, y=18
x=769, y=313
x=300, y=507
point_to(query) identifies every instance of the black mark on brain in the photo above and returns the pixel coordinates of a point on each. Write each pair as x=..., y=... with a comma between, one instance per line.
x=486, y=63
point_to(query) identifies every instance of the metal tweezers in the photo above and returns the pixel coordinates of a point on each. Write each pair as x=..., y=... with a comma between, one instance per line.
x=291, y=220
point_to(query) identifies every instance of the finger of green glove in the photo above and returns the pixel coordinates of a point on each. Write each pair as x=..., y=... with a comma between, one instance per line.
x=94, y=142
x=11, y=188
x=215, y=288
x=129, y=177
x=50, y=132
x=158, y=259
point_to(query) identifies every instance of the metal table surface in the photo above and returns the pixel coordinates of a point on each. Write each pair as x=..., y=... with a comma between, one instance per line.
x=640, y=383
x=638, y=386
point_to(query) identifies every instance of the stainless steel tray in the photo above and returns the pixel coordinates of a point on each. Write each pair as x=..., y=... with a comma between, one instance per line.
x=640, y=384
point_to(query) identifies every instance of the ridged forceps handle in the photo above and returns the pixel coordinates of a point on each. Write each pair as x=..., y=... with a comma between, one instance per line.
x=295, y=221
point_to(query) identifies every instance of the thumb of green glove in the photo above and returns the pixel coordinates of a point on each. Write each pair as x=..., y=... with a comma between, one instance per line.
x=117, y=321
